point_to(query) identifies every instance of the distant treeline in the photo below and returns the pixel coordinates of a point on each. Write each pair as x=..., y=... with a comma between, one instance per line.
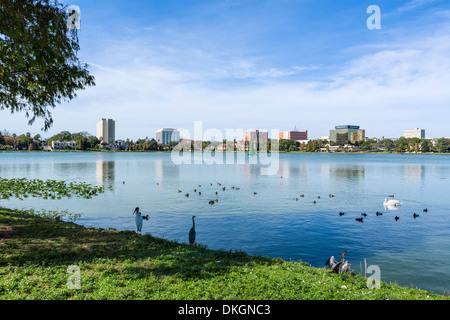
x=86, y=141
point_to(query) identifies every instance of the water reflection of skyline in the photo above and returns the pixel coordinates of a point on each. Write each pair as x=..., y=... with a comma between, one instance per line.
x=348, y=173
x=105, y=172
x=414, y=172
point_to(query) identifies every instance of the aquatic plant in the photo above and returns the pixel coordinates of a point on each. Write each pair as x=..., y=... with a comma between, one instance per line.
x=21, y=188
x=58, y=215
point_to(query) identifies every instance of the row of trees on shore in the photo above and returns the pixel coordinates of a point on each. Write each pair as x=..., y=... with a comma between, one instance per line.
x=87, y=142
x=402, y=144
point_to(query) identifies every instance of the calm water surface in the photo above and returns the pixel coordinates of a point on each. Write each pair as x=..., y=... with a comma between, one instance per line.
x=409, y=252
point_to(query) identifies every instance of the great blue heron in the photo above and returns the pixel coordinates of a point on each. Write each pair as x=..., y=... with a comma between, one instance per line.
x=138, y=219
x=338, y=267
x=192, y=232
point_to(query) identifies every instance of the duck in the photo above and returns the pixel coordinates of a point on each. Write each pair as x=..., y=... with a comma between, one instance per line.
x=211, y=202
x=187, y=194
x=415, y=215
x=341, y=214
x=364, y=214
x=379, y=213
x=359, y=219
x=425, y=210
x=314, y=202
x=396, y=218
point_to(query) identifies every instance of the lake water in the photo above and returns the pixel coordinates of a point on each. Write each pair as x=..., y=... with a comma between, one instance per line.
x=409, y=252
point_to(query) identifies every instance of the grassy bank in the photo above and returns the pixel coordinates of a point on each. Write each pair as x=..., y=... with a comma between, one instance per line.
x=36, y=252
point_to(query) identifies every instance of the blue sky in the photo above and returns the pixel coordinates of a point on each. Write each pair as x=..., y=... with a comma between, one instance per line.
x=261, y=64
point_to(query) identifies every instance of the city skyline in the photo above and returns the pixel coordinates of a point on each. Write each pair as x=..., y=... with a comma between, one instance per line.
x=266, y=64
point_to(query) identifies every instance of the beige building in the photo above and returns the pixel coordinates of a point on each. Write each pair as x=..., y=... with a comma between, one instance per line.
x=359, y=135
x=414, y=133
x=106, y=131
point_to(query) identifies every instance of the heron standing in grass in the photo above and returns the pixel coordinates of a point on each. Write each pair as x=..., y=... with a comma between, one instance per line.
x=192, y=232
x=139, y=219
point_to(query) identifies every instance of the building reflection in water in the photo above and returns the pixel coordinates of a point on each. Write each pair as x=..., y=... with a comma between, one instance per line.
x=104, y=172
x=348, y=173
x=414, y=172
x=159, y=172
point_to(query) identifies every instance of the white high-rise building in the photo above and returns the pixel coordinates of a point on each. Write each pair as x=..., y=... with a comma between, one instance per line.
x=106, y=131
x=167, y=135
x=414, y=133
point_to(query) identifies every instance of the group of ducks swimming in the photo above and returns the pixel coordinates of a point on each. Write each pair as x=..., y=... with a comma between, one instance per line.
x=213, y=201
x=333, y=264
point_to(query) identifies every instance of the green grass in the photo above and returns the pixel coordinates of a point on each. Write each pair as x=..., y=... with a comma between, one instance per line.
x=35, y=253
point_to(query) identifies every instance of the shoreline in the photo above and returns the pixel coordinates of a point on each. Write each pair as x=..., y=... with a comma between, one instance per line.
x=125, y=265
x=224, y=152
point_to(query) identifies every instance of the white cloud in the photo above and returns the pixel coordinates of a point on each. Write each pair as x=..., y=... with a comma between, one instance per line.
x=398, y=85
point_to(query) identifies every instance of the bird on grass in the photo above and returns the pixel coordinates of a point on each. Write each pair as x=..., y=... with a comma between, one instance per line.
x=138, y=219
x=338, y=267
x=192, y=232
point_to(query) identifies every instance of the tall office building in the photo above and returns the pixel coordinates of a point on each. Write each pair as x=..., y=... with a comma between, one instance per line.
x=357, y=136
x=414, y=133
x=341, y=134
x=167, y=135
x=293, y=135
x=106, y=131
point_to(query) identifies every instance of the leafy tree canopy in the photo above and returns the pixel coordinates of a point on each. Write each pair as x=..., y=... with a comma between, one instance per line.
x=39, y=67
